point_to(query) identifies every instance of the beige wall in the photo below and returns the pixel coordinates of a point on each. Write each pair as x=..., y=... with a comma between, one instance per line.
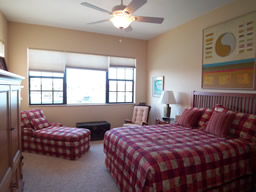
x=23, y=36
x=177, y=55
x=3, y=32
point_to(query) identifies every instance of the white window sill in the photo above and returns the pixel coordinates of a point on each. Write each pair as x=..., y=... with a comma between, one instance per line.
x=83, y=105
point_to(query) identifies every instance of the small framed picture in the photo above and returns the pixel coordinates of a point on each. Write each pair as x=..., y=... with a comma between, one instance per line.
x=157, y=86
x=3, y=65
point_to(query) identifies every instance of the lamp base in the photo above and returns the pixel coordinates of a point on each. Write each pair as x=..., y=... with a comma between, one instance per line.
x=167, y=110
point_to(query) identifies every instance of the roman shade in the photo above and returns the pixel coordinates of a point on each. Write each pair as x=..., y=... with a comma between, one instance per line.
x=122, y=62
x=1, y=49
x=45, y=60
x=57, y=61
x=87, y=61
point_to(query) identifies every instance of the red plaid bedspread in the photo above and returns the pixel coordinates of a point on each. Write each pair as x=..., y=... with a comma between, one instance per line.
x=173, y=158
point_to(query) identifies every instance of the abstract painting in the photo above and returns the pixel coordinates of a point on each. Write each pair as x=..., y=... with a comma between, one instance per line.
x=229, y=51
x=157, y=86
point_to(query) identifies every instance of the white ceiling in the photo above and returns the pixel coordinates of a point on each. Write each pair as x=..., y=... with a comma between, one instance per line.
x=71, y=15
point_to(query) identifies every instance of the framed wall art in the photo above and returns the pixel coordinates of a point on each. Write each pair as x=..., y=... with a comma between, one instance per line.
x=157, y=86
x=229, y=52
x=3, y=65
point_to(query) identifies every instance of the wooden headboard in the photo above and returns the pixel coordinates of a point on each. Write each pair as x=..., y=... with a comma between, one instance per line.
x=241, y=102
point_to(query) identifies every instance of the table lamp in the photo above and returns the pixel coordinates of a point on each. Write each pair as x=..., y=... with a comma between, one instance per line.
x=167, y=98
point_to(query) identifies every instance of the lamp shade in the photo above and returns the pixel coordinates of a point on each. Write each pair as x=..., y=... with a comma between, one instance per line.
x=167, y=97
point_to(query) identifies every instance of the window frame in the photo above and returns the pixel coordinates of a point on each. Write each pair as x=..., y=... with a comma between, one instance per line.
x=2, y=45
x=41, y=91
x=64, y=90
x=117, y=80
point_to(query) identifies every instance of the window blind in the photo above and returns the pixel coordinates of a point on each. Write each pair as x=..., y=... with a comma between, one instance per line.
x=87, y=61
x=56, y=61
x=45, y=60
x=122, y=62
x=1, y=49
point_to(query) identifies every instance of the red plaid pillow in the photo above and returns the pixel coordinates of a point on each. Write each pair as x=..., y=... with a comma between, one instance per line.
x=189, y=117
x=219, y=123
x=220, y=108
x=40, y=123
x=205, y=117
x=203, y=121
x=241, y=124
x=248, y=131
x=26, y=117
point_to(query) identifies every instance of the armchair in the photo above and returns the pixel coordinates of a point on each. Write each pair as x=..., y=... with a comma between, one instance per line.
x=140, y=116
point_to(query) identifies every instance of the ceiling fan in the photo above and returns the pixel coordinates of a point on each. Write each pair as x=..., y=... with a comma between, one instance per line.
x=122, y=14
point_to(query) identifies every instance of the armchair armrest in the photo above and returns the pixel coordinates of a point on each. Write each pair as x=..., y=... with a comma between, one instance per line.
x=27, y=131
x=144, y=123
x=127, y=121
x=56, y=125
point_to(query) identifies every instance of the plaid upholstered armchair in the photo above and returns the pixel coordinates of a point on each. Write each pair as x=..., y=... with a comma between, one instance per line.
x=139, y=117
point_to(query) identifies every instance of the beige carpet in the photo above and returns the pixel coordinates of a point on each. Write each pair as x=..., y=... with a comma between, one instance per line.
x=51, y=174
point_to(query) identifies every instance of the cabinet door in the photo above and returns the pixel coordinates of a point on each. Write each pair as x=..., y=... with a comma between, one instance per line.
x=15, y=131
x=5, y=148
x=15, y=137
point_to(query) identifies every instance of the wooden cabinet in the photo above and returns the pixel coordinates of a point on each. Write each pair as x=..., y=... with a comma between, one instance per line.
x=10, y=135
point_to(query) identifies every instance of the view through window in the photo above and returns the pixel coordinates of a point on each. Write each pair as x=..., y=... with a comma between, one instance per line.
x=86, y=86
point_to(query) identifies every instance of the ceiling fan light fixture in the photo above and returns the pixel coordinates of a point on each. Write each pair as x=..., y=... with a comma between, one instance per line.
x=122, y=19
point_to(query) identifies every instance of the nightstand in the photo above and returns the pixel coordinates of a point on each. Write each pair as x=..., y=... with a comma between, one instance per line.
x=165, y=120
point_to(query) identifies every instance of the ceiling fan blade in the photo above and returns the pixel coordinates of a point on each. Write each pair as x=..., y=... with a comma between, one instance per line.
x=135, y=5
x=157, y=20
x=96, y=22
x=128, y=29
x=95, y=7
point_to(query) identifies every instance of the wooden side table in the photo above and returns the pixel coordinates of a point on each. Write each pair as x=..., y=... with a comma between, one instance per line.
x=165, y=120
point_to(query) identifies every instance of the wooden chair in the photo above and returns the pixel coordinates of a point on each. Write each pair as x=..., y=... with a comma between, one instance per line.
x=140, y=116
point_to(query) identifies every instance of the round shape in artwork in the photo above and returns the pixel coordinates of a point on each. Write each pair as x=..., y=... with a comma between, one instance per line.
x=225, y=44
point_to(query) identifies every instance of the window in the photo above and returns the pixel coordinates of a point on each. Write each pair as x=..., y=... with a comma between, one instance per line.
x=121, y=85
x=1, y=49
x=46, y=88
x=86, y=86
x=73, y=78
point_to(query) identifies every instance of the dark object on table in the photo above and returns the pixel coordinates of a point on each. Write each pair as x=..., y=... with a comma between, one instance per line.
x=168, y=119
x=3, y=65
x=97, y=128
x=165, y=120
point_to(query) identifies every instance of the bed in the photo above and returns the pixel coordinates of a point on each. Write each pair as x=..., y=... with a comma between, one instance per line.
x=170, y=157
